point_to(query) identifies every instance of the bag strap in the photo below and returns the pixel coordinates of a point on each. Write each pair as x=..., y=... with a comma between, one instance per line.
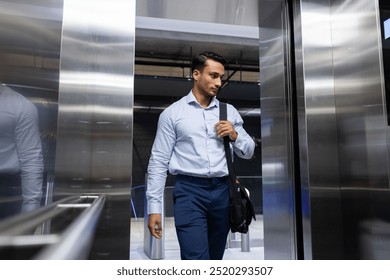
x=226, y=142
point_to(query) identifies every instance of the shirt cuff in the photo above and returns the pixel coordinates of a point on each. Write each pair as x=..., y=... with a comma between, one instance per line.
x=154, y=208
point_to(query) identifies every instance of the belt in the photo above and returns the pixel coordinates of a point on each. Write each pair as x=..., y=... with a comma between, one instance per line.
x=199, y=179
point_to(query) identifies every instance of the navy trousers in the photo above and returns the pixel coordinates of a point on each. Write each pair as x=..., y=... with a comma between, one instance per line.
x=201, y=212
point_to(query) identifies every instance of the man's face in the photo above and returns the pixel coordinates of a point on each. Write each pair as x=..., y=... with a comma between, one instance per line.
x=209, y=80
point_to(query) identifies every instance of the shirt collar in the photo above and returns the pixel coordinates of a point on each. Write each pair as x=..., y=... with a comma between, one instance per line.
x=190, y=98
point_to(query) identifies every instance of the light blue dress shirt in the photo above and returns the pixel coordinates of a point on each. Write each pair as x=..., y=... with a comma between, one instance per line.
x=20, y=145
x=187, y=143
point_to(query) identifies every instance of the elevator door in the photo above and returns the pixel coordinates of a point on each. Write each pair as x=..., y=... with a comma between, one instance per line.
x=324, y=130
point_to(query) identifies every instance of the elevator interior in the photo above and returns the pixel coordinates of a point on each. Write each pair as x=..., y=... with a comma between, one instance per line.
x=96, y=125
x=323, y=154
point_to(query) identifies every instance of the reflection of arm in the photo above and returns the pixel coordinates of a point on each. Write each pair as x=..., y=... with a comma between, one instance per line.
x=29, y=149
x=244, y=145
x=159, y=161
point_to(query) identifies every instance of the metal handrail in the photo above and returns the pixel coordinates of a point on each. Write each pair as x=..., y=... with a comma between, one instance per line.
x=73, y=243
x=25, y=222
x=77, y=238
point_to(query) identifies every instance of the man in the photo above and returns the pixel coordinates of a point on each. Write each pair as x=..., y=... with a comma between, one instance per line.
x=189, y=144
x=21, y=160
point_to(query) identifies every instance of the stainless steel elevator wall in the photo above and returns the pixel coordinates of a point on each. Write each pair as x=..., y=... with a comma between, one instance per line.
x=276, y=132
x=345, y=143
x=319, y=159
x=94, y=147
x=342, y=132
x=363, y=134
x=30, y=40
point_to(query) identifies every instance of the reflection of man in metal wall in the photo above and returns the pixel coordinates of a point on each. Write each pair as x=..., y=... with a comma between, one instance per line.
x=21, y=161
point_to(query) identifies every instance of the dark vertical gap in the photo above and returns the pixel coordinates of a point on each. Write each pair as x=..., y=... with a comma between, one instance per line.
x=384, y=12
x=295, y=135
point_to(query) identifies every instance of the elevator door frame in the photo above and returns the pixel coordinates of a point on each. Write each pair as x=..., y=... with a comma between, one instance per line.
x=336, y=181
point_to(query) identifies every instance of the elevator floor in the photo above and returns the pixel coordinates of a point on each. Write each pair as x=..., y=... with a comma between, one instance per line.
x=172, y=252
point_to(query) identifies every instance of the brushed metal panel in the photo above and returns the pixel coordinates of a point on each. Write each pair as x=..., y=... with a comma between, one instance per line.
x=343, y=132
x=362, y=128
x=30, y=43
x=94, y=149
x=320, y=178
x=276, y=131
x=30, y=37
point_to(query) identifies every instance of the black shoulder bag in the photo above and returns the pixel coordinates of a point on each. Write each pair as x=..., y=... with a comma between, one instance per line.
x=241, y=206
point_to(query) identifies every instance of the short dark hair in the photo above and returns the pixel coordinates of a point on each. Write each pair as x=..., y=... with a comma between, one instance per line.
x=199, y=61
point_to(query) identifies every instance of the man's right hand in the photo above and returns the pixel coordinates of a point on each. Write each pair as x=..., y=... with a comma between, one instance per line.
x=154, y=225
